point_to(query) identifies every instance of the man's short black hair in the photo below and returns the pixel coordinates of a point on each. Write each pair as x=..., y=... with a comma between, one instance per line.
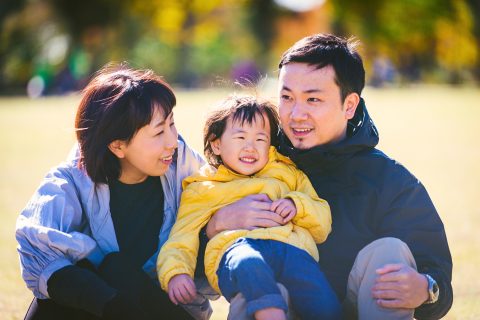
x=323, y=50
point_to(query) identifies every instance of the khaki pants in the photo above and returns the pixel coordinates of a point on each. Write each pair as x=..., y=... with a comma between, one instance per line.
x=358, y=303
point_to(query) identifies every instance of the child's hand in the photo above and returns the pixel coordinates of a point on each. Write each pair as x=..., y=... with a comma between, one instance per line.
x=181, y=289
x=284, y=208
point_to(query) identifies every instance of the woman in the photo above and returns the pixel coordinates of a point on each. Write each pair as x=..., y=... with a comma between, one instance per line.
x=90, y=235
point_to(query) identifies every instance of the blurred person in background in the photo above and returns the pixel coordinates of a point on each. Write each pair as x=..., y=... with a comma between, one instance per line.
x=89, y=237
x=387, y=256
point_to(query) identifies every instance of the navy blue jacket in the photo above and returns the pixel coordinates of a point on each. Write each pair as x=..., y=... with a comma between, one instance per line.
x=372, y=196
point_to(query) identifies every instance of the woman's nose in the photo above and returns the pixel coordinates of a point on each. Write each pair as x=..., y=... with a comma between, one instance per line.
x=171, y=139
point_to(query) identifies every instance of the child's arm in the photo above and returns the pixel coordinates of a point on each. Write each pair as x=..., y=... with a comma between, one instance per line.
x=179, y=254
x=313, y=213
x=182, y=289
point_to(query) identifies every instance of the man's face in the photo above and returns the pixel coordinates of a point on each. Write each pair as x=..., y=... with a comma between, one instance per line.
x=310, y=106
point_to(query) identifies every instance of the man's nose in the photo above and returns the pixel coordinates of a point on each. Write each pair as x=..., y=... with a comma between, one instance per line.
x=298, y=112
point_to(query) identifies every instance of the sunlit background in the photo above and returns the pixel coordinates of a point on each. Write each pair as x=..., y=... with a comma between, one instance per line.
x=52, y=46
x=423, y=73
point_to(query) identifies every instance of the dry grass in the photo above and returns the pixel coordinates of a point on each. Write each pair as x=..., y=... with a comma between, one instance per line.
x=431, y=130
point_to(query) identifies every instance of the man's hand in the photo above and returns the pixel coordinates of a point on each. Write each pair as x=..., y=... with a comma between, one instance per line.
x=249, y=213
x=284, y=208
x=182, y=289
x=400, y=286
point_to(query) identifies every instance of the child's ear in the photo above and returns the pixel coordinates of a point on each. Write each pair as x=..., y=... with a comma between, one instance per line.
x=215, y=146
x=117, y=148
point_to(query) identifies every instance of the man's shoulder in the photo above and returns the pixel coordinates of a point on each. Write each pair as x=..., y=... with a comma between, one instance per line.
x=380, y=164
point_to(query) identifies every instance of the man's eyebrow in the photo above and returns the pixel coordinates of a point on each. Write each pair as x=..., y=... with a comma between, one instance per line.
x=305, y=91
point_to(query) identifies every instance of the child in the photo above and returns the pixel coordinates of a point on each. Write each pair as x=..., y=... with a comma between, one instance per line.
x=237, y=143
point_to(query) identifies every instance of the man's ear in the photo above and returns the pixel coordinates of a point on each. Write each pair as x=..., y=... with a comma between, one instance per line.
x=350, y=105
x=215, y=146
x=117, y=148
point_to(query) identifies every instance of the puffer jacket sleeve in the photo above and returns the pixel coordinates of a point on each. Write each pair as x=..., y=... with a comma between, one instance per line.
x=179, y=254
x=409, y=214
x=49, y=231
x=313, y=213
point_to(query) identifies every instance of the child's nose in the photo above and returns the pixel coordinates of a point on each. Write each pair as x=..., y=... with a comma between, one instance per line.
x=248, y=145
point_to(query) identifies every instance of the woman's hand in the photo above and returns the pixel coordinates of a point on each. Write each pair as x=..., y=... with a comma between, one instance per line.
x=249, y=213
x=182, y=289
x=284, y=208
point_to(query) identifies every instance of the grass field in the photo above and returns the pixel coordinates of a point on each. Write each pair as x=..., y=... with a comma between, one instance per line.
x=433, y=131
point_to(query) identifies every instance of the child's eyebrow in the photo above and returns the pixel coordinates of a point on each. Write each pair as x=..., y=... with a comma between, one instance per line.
x=239, y=130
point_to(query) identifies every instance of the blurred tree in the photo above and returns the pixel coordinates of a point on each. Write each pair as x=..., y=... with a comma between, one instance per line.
x=475, y=11
x=418, y=35
x=7, y=9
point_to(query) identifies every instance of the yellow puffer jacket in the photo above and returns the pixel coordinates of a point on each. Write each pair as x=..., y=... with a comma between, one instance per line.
x=212, y=189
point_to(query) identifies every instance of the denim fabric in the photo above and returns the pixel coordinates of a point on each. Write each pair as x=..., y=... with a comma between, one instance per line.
x=253, y=267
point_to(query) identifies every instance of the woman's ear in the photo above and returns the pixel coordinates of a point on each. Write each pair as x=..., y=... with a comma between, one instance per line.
x=117, y=147
x=350, y=105
x=215, y=146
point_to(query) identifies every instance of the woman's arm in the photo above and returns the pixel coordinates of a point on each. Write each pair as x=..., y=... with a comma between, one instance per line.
x=49, y=231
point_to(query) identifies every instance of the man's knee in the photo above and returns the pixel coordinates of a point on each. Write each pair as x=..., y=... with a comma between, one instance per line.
x=363, y=275
x=384, y=251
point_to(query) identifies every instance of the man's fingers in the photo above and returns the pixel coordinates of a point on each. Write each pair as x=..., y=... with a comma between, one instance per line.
x=261, y=205
x=386, y=294
x=267, y=223
x=262, y=197
x=268, y=215
x=390, y=303
x=389, y=268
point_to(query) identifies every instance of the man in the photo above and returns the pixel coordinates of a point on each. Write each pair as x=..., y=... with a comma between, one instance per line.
x=387, y=256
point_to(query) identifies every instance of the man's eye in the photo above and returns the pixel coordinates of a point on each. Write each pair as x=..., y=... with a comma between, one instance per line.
x=314, y=100
x=285, y=97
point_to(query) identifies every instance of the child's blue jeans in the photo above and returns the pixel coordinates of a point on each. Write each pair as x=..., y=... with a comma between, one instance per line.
x=254, y=266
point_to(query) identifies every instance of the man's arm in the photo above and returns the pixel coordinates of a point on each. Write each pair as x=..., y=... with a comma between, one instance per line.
x=409, y=214
x=248, y=213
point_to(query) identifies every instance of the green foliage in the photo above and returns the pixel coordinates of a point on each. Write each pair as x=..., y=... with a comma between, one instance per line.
x=417, y=35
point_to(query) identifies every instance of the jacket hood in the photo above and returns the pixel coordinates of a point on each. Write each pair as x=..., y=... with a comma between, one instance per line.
x=361, y=135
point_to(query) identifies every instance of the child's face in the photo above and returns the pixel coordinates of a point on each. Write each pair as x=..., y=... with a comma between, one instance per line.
x=244, y=148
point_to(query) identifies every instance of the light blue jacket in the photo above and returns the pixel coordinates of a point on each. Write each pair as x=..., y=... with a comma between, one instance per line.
x=69, y=219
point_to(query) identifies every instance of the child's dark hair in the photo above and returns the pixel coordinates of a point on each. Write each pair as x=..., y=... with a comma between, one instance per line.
x=242, y=109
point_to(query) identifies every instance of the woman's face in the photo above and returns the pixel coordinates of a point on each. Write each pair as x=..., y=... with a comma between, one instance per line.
x=150, y=151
